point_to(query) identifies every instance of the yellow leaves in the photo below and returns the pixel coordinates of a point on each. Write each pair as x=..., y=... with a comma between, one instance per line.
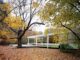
x=56, y=38
x=14, y=22
x=50, y=8
x=46, y=31
x=5, y=7
x=6, y=36
x=35, y=4
x=4, y=32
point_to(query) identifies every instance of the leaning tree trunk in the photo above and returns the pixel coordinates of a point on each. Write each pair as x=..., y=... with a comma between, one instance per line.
x=71, y=31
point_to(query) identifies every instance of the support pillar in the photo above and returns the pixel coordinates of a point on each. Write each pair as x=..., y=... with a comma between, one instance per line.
x=47, y=41
x=28, y=41
x=36, y=41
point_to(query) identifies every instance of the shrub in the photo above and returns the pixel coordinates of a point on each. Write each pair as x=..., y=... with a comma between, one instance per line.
x=65, y=46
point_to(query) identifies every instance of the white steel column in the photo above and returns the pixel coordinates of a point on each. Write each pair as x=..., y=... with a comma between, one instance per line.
x=42, y=40
x=36, y=40
x=28, y=41
x=47, y=41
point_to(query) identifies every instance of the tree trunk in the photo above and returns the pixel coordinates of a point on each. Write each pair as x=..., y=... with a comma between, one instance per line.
x=19, y=43
x=71, y=31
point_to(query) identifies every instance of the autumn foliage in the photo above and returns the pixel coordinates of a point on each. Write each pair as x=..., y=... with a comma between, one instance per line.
x=11, y=21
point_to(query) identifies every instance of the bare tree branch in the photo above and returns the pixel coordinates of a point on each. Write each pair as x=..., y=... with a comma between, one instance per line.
x=36, y=23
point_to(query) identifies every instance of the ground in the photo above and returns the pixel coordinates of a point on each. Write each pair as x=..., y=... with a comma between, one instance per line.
x=9, y=53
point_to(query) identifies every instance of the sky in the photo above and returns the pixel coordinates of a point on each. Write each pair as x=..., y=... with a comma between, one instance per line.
x=39, y=28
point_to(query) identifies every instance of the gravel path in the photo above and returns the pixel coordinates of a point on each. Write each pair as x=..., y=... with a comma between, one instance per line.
x=9, y=53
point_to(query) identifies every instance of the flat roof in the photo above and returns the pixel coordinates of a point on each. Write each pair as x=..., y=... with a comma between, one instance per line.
x=40, y=35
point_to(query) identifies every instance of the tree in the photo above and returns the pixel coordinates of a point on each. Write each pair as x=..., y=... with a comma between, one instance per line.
x=9, y=23
x=26, y=9
x=4, y=9
x=62, y=13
